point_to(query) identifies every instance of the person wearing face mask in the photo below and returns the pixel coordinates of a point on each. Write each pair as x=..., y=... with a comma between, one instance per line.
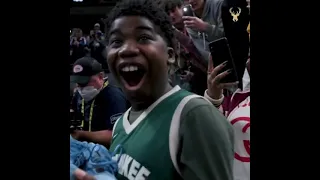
x=96, y=103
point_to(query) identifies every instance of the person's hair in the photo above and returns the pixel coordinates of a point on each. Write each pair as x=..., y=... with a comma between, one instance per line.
x=144, y=8
x=170, y=5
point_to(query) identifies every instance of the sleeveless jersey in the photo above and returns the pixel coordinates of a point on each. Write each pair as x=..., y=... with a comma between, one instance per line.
x=145, y=142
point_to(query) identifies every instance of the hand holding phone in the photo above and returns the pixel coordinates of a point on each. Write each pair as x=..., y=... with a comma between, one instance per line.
x=187, y=10
x=220, y=53
x=221, y=70
x=215, y=86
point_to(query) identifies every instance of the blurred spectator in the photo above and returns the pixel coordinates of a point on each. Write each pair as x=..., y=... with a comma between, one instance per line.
x=96, y=30
x=192, y=72
x=206, y=26
x=236, y=108
x=97, y=103
x=97, y=50
x=96, y=27
x=78, y=45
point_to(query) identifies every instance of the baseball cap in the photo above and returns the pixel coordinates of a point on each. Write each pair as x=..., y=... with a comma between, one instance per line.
x=97, y=24
x=83, y=69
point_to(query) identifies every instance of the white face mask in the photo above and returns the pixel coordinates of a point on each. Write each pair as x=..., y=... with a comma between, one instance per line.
x=88, y=93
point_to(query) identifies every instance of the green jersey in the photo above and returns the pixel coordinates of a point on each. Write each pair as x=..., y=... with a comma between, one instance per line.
x=150, y=144
x=146, y=141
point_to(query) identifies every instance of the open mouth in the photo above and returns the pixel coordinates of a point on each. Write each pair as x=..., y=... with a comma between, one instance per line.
x=132, y=75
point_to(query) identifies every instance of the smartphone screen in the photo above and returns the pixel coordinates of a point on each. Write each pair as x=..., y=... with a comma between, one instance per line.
x=187, y=10
x=220, y=53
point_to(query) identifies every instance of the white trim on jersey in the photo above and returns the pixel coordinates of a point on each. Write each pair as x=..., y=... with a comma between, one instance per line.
x=174, y=129
x=130, y=127
x=114, y=126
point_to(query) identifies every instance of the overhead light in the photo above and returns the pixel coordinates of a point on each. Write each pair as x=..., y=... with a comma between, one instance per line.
x=77, y=0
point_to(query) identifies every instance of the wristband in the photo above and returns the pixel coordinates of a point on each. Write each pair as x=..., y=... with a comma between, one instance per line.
x=215, y=102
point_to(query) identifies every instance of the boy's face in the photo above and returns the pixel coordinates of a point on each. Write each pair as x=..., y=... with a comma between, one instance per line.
x=137, y=56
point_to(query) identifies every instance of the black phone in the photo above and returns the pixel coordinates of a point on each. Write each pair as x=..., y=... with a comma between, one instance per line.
x=220, y=52
x=187, y=10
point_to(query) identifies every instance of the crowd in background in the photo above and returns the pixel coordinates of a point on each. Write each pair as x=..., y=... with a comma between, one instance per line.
x=88, y=45
x=190, y=68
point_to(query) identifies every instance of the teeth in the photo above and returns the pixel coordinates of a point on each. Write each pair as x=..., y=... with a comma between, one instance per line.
x=129, y=68
x=126, y=69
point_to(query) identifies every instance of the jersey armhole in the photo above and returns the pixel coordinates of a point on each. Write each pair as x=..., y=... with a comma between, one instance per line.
x=115, y=125
x=174, y=130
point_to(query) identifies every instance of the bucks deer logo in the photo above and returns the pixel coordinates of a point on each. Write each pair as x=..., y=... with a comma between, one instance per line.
x=235, y=14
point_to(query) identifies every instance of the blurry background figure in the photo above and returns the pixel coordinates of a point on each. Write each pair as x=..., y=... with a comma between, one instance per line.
x=191, y=70
x=78, y=45
x=96, y=27
x=206, y=25
x=98, y=48
x=95, y=102
x=236, y=107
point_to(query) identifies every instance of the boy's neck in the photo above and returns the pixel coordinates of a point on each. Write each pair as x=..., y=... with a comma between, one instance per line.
x=139, y=106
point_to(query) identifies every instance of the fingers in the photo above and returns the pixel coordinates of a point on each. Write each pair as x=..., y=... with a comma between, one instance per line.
x=215, y=79
x=188, y=23
x=222, y=75
x=82, y=175
x=79, y=174
x=88, y=177
x=215, y=71
x=188, y=18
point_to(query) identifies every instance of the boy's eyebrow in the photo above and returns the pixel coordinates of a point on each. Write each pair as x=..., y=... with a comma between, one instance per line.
x=142, y=27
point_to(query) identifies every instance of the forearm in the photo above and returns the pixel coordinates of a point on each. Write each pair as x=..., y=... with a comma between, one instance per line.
x=100, y=137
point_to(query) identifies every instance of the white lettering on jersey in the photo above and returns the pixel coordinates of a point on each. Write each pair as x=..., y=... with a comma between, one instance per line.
x=130, y=168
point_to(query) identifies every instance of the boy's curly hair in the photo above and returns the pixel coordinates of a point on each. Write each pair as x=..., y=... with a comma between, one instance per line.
x=145, y=8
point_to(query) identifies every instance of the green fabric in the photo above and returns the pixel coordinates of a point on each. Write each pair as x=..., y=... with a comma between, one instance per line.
x=206, y=149
x=206, y=142
x=146, y=147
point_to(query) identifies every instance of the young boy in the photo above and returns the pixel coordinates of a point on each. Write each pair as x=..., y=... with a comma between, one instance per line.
x=168, y=133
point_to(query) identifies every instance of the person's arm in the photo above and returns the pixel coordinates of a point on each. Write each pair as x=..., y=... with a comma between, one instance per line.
x=117, y=106
x=215, y=30
x=206, y=143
